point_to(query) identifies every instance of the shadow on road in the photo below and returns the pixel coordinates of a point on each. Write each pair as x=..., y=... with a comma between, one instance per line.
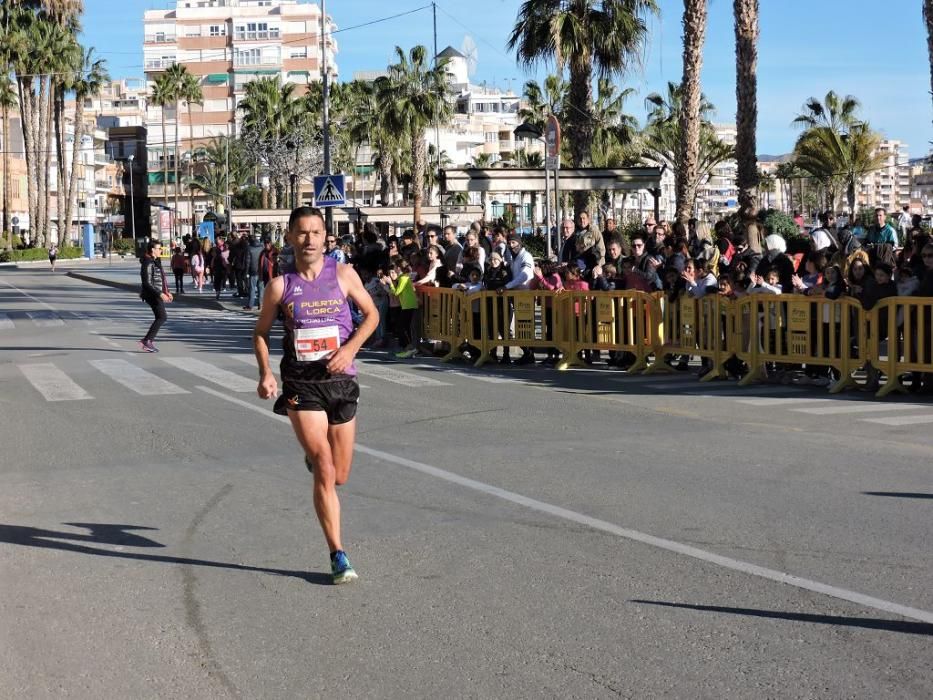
x=120, y=535
x=921, y=628
x=897, y=494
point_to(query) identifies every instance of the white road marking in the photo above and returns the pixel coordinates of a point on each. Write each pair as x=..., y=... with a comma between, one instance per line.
x=780, y=402
x=488, y=378
x=205, y=370
x=6, y=321
x=45, y=319
x=389, y=374
x=136, y=379
x=28, y=295
x=901, y=420
x=753, y=390
x=856, y=407
x=52, y=383
x=613, y=529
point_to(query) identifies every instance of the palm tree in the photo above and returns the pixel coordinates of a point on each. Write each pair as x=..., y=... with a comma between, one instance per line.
x=190, y=91
x=746, y=114
x=661, y=139
x=834, y=112
x=694, y=34
x=8, y=102
x=86, y=83
x=483, y=160
x=162, y=97
x=765, y=186
x=177, y=75
x=584, y=36
x=785, y=173
x=543, y=101
x=415, y=97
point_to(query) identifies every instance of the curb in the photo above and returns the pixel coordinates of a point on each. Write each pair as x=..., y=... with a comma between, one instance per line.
x=179, y=299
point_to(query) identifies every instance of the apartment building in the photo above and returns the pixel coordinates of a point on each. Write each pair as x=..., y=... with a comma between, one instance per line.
x=19, y=204
x=719, y=194
x=889, y=186
x=225, y=44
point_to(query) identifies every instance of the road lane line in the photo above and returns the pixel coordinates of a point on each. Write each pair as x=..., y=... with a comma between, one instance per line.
x=6, y=321
x=211, y=373
x=52, y=383
x=45, y=319
x=488, y=378
x=137, y=379
x=857, y=407
x=901, y=420
x=389, y=374
x=783, y=402
x=625, y=533
x=28, y=295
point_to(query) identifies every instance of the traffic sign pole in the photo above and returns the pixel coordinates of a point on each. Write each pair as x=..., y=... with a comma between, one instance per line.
x=328, y=214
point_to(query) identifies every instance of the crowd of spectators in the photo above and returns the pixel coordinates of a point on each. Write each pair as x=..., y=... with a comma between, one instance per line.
x=697, y=260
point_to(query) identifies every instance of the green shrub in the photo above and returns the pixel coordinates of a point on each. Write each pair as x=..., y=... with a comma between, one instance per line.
x=536, y=245
x=780, y=223
x=123, y=246
x=30, y=254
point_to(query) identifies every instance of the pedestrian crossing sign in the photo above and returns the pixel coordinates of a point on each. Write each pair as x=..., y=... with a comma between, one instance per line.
x=329, y=191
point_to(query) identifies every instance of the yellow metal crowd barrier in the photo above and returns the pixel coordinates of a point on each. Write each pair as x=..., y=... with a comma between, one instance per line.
x=903, y=341
x=623, y=321
x=896, y=337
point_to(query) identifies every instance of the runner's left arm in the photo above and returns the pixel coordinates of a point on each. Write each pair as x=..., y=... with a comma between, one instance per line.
x=353, y=288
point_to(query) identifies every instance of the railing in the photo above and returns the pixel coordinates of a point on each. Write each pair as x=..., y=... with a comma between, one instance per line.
x=257, y=35
x=751, y=333
x=160, y=39
x=241, y=60
x=157, y=64
x=506, y=145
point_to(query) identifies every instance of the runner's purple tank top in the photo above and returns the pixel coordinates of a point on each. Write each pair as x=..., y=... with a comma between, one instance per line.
x=316, y=308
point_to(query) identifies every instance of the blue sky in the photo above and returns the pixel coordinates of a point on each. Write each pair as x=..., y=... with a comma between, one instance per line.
x=874, y=51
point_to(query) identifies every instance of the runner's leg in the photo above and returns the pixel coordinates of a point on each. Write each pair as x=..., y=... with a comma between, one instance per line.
x=158, y=310
x=341, y=438
x=311, y=429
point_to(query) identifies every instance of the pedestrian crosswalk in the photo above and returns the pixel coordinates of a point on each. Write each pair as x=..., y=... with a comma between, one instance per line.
x=77, y=379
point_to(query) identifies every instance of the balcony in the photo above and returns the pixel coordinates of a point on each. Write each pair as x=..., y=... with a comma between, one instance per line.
x=160, y=39
x=243, y=61
x=100, y=159
x=262, y=35
x=506, y=146
x=160, y=64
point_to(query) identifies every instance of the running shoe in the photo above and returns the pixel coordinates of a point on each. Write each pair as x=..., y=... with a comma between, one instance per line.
x=341, y=569
x=405, y=354
x=147, y=346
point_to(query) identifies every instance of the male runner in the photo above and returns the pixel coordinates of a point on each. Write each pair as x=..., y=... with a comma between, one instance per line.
x=319, y=387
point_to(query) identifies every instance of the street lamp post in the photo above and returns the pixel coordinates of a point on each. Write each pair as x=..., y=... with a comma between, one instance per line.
x=189, y=161
x=130, y=158
x=530, y=131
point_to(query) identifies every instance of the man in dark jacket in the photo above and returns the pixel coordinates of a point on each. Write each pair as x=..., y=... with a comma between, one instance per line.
x=239, y=252
x=253, y=250
x=154, y=292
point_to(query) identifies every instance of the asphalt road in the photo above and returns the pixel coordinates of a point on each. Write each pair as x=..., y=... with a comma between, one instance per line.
x=518, y=532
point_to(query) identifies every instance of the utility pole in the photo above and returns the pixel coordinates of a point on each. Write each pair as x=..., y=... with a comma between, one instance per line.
x=328, y=212
x=437, y=132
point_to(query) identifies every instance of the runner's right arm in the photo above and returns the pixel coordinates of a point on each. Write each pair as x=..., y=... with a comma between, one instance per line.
x=268, y=387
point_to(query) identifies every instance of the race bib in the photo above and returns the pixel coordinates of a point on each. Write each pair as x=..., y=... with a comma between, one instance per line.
x=313, y=344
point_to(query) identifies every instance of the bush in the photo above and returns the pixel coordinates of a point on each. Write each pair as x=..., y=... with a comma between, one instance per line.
x=536, y=245
x=780, y=223
x=30, y=254
x=123, y=246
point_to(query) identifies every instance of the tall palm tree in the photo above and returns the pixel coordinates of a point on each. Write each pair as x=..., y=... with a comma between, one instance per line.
x=542, y=101
x=176, y=76
x=483, y=160
x=8, y=102
x=586, y=36
x=86, y=83
x=694, y=22
x=189, y=89
x=835, y=112
x=162, y=97
x=415, y=97
x=746, y=114
x=661, y=139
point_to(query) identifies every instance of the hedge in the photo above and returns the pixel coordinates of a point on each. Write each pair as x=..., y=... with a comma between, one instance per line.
x=27, y=254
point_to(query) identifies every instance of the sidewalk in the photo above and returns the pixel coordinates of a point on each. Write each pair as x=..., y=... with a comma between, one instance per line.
x=123, y=275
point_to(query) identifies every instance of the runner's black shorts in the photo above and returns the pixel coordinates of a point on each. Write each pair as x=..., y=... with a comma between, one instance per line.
x=306, y=388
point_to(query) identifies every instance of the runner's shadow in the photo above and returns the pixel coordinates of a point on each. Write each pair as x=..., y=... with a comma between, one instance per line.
x=921, y=628
x=120, y=535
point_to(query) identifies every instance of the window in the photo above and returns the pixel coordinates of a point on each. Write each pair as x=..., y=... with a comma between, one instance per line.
x=492, y=136
x=298, y=53
x=217, y=30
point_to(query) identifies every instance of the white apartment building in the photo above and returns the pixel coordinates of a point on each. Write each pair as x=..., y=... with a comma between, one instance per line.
x=226, y=44
x=889, y=186
x=719, y=194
